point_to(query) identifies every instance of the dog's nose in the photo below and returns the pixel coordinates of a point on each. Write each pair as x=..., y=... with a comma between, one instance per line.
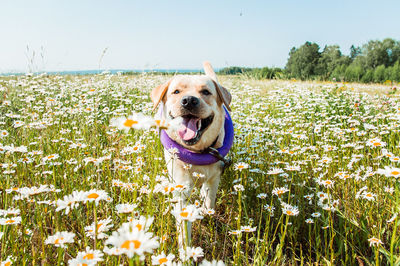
x=190, y=102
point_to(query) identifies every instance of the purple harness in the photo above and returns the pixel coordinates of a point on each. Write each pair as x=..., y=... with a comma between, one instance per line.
x=206, y=157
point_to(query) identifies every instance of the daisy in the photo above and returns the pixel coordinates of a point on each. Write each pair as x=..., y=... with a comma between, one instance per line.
x=70, y=201
x=189, y=213
x=10, y=221
x=102, y=226
x=190, y=252
x=95, y=195
x=238, y=187
x=235, y=232
x=60, y=238
x=275, y=171
x=248, y=229
x=241, y=166
x=162, y=259
x=375, y=142
x=135, y=121
x=87, y=257
x=125, y=208
x=279, y=191
x=141, y=224
x=309, y=221
x=373, y=241
x=290, y=210
x=131, y=241
x=3, y=133
x=212, y=263
x=209, y=211
x=390, y=171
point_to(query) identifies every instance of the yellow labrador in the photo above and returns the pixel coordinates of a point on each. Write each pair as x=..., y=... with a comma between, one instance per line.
x=197, y=100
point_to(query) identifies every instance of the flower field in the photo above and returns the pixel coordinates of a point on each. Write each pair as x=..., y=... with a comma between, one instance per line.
x=83, y=181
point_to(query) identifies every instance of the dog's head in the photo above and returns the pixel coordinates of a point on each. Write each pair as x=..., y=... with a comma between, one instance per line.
x=196, y=100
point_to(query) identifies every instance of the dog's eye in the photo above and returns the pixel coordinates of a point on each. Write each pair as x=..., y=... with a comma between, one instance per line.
x=205, y=92
x=176, y=92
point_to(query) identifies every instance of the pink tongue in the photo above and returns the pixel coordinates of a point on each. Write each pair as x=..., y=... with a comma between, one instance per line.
x=188, y=128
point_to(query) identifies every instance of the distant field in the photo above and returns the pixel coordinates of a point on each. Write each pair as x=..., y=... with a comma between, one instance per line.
x=321, y=187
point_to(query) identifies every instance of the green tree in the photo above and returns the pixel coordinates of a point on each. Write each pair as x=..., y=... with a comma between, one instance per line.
x=368, y=76
x=302, y=62
x=353, y=73
x=330, y=58
x=395, y=75
x=379, y=73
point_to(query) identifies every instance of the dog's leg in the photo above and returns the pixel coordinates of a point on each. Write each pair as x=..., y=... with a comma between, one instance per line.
x=209, y=191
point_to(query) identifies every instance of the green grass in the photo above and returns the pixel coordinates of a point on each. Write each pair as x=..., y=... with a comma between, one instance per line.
x=321, y=128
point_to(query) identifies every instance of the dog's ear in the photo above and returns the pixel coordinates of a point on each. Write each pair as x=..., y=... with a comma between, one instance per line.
x=223, y=94
x=157, y=94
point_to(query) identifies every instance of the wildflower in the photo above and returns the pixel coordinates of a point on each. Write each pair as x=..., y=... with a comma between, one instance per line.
x=190, y=252
x=125, y=208
x=290, y=210
x=135, y=121
x=50, y=157
x=3, y=133
x=368, y=195
x=248, y=229
x=189, y=213
x=241, y=166
x=142, y=223
x=275, y=171
x=130, y=241
x=60, y=238
x=10, y=221
x=390, y=171
x=87, y=257
x=279, y=191
x=9, y=261
x=162, y=259
x=375, y=142
x=70, y=201
x=309, y=221
x=235, y=232
x=212, y=263
x=293, y=168
x=102, y=226
x=327, y=183
x=373, y=241
x=238, y=187
x=209, y=211
x=95, y=195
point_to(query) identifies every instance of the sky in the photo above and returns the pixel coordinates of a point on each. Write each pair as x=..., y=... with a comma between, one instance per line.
x=177, y=34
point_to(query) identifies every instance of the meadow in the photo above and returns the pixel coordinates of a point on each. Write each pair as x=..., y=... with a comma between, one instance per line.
x=315, y=179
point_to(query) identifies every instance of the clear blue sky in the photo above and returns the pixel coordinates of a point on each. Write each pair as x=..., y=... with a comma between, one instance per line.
x=181, y=34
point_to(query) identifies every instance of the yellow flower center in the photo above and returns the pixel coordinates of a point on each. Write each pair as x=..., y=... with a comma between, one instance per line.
x=395, y=173
x=93, y=196
x=184, y=214
x=130, y=122
x=376, y=144
x=162, y=260
x=10, y=221
x=89, y=256
x=127, y=243
x=139, y=227
x=58, y=240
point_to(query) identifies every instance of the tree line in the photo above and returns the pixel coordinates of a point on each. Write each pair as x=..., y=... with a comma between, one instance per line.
x=375, y=61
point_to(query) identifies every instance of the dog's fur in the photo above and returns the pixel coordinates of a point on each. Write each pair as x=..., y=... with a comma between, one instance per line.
x=170, y=94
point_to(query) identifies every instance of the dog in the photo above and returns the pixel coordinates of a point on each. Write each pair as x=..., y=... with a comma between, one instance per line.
x=198, y=101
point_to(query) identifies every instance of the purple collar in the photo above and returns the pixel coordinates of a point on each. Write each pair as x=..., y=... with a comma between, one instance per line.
x=195, y=158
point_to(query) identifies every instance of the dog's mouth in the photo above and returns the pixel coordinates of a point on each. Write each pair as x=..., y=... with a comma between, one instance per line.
x=193, y=127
